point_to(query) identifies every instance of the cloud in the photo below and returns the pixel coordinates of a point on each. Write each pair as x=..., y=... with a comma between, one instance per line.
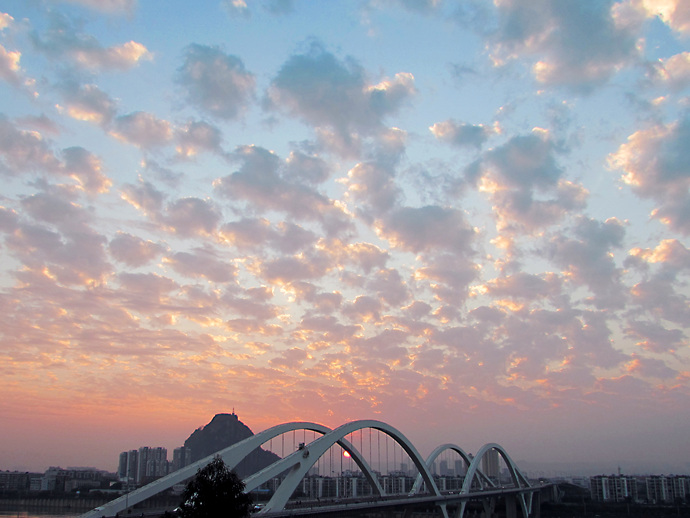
x=10, y=71
x=202, y=263
x=525, y=161
x=263, y=182
x=241, y=9
x=372, y=189
x=670, y=254
x=25, y=152
x=306, y=168
x=197, y=136
x=660, y=297
x=215, y=82
x=335, y=95
x=523, y=285
x=655, y=165
x=650, y=368
x=518, y=175
x=86, y=168
x=132, y=250
x=366, y=256
x=89, y=103
x=190, y=217
x=5, y=21
x=143, y=130
x=363, y=309
x=449, y=275
x=390, y=287
x=236, y=8
x=59, y=243
x=461, y=135
x=145, y=197
x=146, y=292
x=255, y=304
x=280, y=6
x=258, y=234
x=674, y=13
x=587, y=259
x=287, y=269
x=378, y=262
x=64, y=40
x=576, y=44
x=427, y=228
x=673, y=71
x=389, y=346
x=106, y=6
x=653, y=337
x=328, y=329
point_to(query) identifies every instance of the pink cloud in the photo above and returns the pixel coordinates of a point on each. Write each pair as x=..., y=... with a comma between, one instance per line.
x=132, y=250
x=216, y=82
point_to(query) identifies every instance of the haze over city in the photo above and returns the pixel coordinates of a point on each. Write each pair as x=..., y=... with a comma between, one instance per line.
x=466, y=219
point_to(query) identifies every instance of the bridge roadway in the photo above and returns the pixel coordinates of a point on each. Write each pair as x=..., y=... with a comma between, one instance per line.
x=399, y=502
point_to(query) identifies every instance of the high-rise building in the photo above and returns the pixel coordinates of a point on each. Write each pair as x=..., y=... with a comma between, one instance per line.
x=680, y=488
x=658, y=489
x=127, y=467
x=182, y=457
x=490, y=463
x=613, y=488
x=152, y=463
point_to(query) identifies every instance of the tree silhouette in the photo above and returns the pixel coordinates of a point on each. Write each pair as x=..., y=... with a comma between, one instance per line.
x=215, y=491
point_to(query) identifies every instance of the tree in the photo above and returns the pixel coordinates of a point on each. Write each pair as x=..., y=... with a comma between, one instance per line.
x=215, y=492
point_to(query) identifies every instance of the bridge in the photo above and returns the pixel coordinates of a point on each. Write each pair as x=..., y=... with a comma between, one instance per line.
x=290, y=472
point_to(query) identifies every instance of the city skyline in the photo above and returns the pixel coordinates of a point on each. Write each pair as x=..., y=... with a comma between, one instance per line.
x=466, y=219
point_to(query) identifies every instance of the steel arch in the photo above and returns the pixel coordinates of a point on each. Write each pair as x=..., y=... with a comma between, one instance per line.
x=435, y=454
x=232, y=456
x=518, y=478
x=299, y=463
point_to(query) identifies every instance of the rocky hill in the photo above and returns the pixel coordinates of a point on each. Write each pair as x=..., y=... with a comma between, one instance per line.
x=225, y=430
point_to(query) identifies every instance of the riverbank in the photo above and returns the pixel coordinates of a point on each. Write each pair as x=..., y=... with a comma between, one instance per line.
x=74, y=505
x=46, y=506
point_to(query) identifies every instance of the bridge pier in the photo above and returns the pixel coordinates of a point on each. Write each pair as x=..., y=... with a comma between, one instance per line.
x=511, y=506
x=489, y=505
x=536, y=505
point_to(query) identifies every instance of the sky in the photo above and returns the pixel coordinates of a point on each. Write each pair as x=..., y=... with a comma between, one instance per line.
x=468, y=219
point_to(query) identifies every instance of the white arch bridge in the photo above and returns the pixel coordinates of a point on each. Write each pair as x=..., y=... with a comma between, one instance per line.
x=293, y=467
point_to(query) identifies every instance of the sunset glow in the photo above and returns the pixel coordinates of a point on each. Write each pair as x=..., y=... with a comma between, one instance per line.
x=464, y=219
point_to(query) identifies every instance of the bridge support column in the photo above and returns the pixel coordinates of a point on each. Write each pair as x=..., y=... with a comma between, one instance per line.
x=536, y=505
x=489, y=506
x=511, y=506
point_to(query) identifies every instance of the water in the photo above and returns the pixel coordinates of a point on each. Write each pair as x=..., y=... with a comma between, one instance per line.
x=35, y=514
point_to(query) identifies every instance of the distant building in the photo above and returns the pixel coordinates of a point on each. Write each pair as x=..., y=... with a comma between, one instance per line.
x=490, y=465
x=680, y=488
x=182, y=457
x=68, y=480
x=613, y=488
x=152, y=463
x=666, y=489
x=127, y=467
x=18, y=481
x=658, y=490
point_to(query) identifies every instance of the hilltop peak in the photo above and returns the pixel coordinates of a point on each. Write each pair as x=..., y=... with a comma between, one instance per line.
x=222, y=431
